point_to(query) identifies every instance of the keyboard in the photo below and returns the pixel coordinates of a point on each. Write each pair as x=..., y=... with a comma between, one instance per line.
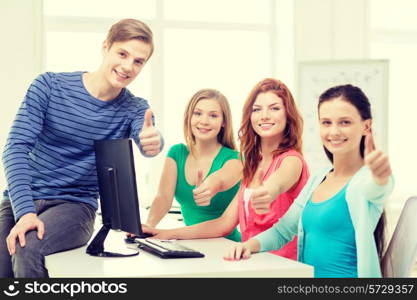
x=167, y=248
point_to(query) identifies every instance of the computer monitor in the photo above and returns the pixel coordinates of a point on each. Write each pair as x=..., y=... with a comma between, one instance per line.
x=118, y=193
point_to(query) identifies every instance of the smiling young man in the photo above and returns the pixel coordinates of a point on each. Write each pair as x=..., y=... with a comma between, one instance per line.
x=50, y=202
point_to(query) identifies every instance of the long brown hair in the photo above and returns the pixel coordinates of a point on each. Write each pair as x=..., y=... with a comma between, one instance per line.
x=358, y=99
x=250, y=146
x=225, y=136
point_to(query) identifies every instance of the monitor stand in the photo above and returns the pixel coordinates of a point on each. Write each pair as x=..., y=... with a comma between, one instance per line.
x=96, y=247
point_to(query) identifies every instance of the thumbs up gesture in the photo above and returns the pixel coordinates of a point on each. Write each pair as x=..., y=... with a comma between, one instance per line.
x=377, y=161
x=149, y=137
x=260, y=198
x=202, y=193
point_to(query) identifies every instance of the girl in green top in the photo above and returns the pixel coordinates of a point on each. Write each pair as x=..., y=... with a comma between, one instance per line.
x=204, y=174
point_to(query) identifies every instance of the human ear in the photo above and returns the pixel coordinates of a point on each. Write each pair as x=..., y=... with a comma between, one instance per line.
x=368, y=127
x=104, y=47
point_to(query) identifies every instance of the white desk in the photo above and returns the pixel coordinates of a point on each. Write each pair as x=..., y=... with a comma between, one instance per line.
x=76, y=263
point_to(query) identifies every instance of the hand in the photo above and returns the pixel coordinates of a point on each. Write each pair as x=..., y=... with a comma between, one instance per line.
x=26, y=223
x=145, y=228
x=149, y=137
x=202, y=193
x=237, y=251
x=260, y=197
x=161, y=234
x=150, y=230
x=377, y=161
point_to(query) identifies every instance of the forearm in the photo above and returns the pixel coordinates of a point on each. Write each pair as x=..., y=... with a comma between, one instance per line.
x=215, y=183
x=285, y=177
x=22, y=138
x=274, y=189
x=227, y=177
x=209, y=229
x=160, y=207
x=276, y=237
x=16, y=166
x=372, y=190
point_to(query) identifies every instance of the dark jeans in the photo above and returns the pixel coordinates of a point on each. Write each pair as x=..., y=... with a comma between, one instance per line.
x=68, y=224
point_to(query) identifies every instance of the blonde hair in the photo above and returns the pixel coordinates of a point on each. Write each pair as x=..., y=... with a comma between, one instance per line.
x=128, y=29
x=225, y=136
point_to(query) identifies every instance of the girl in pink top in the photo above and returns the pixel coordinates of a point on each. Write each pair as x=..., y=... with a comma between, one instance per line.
x=274, y=170
x=252, y=223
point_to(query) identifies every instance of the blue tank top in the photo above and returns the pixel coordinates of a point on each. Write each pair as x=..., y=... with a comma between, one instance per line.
x=329, y=237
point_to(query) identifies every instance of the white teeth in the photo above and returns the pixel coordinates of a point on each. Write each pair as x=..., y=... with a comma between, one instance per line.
x=265, y=125
x=121, y=75
x=204, y=129
x=337, y=142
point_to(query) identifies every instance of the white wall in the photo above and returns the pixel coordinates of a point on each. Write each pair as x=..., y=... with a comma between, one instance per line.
x=21, y=57
x=331, y=29
x=393, y=35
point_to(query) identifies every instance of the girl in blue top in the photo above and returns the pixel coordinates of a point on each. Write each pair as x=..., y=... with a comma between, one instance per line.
x=338, y=216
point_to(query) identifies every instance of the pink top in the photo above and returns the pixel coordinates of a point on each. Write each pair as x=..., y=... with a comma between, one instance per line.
x=252, y=223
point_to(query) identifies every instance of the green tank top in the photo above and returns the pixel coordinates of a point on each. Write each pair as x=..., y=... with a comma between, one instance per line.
x=192, y=213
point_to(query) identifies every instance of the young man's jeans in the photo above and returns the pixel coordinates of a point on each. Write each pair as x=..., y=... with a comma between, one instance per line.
x=68, y=224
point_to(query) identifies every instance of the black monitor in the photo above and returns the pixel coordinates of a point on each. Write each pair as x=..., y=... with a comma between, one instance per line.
x=118, y=193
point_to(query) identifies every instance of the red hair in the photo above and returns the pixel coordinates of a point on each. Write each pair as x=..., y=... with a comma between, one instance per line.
x=250, y=146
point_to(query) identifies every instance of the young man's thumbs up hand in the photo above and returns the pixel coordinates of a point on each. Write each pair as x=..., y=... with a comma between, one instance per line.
x=149, y=137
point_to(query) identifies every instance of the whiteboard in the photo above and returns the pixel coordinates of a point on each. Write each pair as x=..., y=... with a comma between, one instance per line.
x=314, y=77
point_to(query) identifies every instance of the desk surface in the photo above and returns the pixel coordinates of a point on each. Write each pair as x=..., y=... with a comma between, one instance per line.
x=76, y=263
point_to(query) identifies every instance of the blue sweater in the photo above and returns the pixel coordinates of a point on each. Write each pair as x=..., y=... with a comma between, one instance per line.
x=49, y=152
x=365, y=201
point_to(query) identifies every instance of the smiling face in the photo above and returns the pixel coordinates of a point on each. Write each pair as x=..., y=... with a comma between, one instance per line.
x=206, y=120
x=123, y=61
x=341, y=127
x=268, y=116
